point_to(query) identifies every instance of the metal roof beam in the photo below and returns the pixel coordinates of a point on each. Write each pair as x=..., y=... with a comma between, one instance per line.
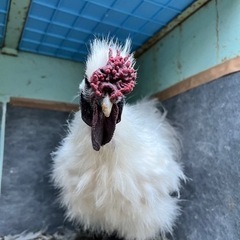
x=16, y=20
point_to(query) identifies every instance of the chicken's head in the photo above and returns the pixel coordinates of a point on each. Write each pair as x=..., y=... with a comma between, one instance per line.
x=110, y=75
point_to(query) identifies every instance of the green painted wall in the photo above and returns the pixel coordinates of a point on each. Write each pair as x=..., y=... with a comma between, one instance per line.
x=209, y=37
x=39, y=77
x=206, y=39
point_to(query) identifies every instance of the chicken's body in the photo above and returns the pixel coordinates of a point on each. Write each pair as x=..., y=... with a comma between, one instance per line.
x=124, y=187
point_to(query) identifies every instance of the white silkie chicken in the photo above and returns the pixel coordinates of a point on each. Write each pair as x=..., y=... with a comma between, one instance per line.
x=116, y=168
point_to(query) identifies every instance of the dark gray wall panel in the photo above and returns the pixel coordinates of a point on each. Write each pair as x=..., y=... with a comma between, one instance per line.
x=209, y=117
x=28, y=201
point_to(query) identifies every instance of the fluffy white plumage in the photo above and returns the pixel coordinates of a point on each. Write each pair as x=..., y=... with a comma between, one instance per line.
x=98, y=56
x=126, y=186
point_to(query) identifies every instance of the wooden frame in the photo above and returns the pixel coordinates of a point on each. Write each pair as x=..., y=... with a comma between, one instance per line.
x=230, y=66
x=43, y=104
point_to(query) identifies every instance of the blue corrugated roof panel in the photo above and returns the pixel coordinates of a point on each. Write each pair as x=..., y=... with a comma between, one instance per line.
x=63, y=28
x=4, y=6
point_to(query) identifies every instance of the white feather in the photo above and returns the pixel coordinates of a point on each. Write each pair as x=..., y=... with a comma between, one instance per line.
x=24, y=236
x=41, y=235
x=126, y=186
x=99, y=50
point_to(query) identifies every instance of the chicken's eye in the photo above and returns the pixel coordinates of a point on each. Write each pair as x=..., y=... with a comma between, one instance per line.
x=87, y=82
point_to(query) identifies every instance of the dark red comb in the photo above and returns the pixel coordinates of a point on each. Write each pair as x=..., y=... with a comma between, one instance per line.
x=117, y=78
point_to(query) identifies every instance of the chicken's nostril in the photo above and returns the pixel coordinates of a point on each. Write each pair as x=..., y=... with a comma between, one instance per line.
x=108, y=89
